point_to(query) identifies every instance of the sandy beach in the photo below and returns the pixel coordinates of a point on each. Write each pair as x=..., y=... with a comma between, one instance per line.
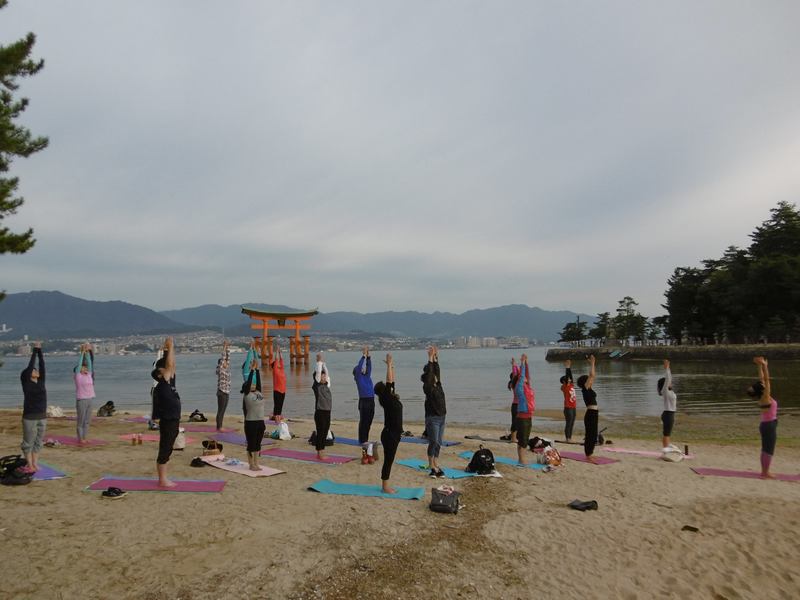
x=271, y=537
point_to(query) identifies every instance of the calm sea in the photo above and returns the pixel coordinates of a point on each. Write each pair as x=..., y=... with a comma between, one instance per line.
x=474, y=381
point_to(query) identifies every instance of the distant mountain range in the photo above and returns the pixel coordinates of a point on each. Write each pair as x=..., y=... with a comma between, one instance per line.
x=54, y=314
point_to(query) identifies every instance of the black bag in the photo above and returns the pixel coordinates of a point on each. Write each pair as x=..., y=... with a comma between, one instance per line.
x=11, y=470
x=482, y=462
x=197, y=417
x=445, y=503
x=107, y=410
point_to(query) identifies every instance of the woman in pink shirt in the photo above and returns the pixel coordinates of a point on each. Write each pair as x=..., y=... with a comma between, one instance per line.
x=83, y=374
x=278, y=385
x=761, y=390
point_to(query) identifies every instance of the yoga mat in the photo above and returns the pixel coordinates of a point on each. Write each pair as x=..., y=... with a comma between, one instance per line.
x=487, y=439
x=136, y=419
x=47, y=472
x=205, y=428
x=351, y=441
x=238, y=439
x=326, y=486
x=330, y=459
x=73, y=418
x=504, y=461
x=242, y=469
x=582, y=458
x=416, y=440
x=66, y=440
x=133, y=484
x=744, y=474
x=151, y=437
x=422, y=467
x=648, y=453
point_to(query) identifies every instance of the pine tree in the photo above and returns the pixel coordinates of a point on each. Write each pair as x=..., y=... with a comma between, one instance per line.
x=15, y=62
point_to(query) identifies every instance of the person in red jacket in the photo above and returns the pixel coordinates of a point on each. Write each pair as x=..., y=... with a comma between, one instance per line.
x=570, y=401
x=278, y=384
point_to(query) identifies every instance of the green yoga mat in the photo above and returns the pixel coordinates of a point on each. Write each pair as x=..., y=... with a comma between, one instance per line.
x=326, y=486
x=502, y=460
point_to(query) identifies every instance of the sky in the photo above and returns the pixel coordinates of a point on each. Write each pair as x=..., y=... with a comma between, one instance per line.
x=370, y=156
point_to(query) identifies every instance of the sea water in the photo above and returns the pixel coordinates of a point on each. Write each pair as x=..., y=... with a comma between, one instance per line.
x=475, y=384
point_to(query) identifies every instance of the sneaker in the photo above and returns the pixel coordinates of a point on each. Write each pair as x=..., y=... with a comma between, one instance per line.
x=370, y=459
x=114, y=493
x=364, y=458
x=433, y=474
x=440, y=474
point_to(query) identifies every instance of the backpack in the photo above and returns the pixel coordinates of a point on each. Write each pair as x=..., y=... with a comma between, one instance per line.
x=445, y=501
x=11, y=470
x=107, y=410
x=482, y=462
x=197, y=417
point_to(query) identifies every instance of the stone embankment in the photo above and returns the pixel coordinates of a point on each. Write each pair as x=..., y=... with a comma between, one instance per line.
x=743, y=352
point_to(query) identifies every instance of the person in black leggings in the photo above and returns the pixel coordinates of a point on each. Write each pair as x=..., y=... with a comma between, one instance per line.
x=568, y=390
x=322, y=414
x=166, y=408
x=592, y=417
x=392, y=423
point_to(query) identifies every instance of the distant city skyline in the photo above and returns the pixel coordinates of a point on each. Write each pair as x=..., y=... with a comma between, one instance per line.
x=431, y=156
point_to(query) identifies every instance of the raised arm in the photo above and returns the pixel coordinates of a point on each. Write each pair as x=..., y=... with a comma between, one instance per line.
x=590, y=381
x=389, y=369
x=77, y=368
x=568, y=373
x=37, y=348
x=763, y=372
x=169, y=354
x=667, y=376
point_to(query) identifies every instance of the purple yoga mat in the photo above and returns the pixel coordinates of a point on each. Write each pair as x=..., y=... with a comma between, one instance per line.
x=151, y=485
x=237, y=438
x=73, y=441
x=744, y=474
x=647, y=453
x=330, y=459
x=46, y=473
x=582, y=458
x=205, y=428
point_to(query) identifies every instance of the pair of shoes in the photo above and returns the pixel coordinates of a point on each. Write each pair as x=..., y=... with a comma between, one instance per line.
x=370, y=459
x=113, y=493
x=364, y=458
x=506, y=438
x=198, y=462
x=440, y=474
x=433, y=474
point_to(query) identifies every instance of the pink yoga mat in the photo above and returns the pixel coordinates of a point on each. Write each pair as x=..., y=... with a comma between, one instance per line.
x=151, y=437
x=582, y=458
x=204, y=428
x=66, y=440
x=648, y=453
x=136, y=419
x=744, y=474
x=330, y=459
x=151, y=485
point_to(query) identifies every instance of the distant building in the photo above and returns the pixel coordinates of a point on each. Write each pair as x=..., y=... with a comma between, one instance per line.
x=473, y=342
x=489, y=342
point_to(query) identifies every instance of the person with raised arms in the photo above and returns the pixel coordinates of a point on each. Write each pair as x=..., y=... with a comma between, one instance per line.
x=591, y=419
x=761, y=390
x=392, y=423
x=435, y=409
x=83, y=375
x=570, y=401
x=527, y=404
x=167, y=409
x=666, y=392
x=362, y=373
x=278, y=384
x=253, y=409
x=34, y=408
x=513, y=377
x=223, y=383
x=322, y=413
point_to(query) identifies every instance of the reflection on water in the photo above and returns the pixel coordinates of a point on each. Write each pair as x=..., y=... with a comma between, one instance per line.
x=474, y=380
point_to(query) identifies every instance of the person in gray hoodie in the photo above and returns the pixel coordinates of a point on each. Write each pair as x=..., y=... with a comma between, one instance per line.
x=322, y=413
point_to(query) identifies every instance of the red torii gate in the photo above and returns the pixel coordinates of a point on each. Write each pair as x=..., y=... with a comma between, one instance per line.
x=298, y=348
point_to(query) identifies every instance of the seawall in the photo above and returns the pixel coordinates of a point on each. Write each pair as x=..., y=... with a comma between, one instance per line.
x=739, y=352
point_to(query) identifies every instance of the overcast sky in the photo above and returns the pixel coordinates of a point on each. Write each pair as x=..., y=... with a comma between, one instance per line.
x=383, y=155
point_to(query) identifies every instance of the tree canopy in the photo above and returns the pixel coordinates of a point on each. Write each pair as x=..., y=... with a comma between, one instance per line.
x=15, y=140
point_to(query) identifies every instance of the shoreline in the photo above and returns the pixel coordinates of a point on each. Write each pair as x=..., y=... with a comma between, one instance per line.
x=733, y=352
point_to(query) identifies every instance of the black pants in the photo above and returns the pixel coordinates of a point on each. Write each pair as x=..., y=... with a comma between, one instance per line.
x=514, y=409
x=569, y=419
x=590, y=424
x=322, y=421
x=668, y=422
x=254, y=432
x=222, y=405
x=390, y=441
x=277, y=402
x=769, y=436
x=167, y=432
x=366, y=412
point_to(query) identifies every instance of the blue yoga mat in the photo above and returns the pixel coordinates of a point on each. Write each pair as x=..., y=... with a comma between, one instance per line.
x=326, y=486
x=422, y=467
x=504, y=461
x=47, y=472
x=350, y=441
x=416, y=440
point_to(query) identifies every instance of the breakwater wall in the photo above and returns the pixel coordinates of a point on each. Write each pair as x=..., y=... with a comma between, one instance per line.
x=738, y=352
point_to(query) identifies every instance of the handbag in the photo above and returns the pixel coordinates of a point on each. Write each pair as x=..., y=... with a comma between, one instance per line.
x=445, y=501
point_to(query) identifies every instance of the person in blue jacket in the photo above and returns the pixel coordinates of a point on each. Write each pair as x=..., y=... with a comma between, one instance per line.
x=362, y=373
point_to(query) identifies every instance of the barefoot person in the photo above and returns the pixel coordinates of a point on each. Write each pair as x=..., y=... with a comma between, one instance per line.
x=83, y=375
x=278, y=384
x=392, y=423
x=250, y=361
x=670, y=406
x=254, y=426
x=525, y=410
x=591, y=419
x=223, y=383
x=761, y=390
x=166, y=408
x=570, y=401
x=322, y=413
x=435, y=409
x=362, y=373
x=34, y=408
x=512, y=385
